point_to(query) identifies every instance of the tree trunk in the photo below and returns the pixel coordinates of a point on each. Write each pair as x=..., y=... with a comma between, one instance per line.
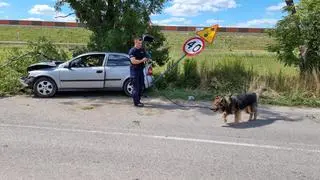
x=316, y=74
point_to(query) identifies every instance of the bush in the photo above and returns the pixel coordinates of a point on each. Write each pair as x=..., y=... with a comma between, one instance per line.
x=8, y=82
x=299, y=31
x=174, y=74
x=78, y=50
x=41, y=50
x=229, y=76
x=170, y=78
x=190, y=77
x=226, y=76
x=19, y=59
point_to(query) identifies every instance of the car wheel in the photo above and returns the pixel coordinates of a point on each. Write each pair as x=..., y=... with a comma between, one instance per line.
x=128, y=87
x=44, y=87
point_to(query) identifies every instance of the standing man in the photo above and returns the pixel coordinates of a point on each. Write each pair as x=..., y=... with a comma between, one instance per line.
x=138, y=57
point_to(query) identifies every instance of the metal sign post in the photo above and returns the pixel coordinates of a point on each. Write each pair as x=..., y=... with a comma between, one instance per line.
x=193, y=46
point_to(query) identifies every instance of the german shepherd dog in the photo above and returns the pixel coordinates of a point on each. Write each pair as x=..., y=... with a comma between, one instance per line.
x=247, y=102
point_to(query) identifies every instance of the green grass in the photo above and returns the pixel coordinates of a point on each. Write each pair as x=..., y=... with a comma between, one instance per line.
x=224, y=40
x=234, y=41
x=59, y=35
x=249, y=48
x=4, y=53
x=219, y=60
x=201, y=95
x=257, y=60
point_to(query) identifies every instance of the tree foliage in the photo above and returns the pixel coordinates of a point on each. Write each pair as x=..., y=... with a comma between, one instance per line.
x=298, y=36
x=18, y=59
x=114, y=24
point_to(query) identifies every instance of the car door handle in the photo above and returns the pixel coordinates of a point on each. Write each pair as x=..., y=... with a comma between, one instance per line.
x=99, y=71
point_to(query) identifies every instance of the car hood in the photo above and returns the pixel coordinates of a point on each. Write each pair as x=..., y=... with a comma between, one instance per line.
x=44, y=65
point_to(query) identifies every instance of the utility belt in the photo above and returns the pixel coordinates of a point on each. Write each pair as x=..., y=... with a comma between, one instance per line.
x=137, y=66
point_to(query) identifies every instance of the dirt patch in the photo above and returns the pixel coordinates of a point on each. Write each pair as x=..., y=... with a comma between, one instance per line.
x=87, y=108
x=96, y=105
x=68, y=103
x=136, y=123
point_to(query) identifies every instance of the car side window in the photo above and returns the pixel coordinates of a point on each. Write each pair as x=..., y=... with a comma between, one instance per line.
x=118, y=60
x=94, y=60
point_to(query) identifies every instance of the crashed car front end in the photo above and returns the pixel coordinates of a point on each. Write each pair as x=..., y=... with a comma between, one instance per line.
x=28, y=80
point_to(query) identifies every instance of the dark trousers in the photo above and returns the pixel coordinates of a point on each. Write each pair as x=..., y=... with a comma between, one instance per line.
x=137, y=79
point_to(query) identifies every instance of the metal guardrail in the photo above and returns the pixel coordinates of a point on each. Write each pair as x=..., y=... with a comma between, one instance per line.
x=165, y=28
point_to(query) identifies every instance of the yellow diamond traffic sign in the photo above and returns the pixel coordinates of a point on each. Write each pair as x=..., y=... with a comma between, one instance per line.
x=208, y=34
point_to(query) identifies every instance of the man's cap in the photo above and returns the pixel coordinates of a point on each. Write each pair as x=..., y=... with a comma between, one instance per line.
x=147, y=38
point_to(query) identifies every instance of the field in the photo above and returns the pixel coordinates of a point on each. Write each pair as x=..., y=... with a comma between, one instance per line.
x=59, y=35
x=250, y=47
x=234, y=60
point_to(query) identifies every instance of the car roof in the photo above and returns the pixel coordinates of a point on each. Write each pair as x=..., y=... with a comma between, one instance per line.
x=100, y=52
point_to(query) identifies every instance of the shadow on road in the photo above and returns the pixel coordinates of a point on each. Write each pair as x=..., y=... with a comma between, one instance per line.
x=90, y=94
x=266, y=117
x=113, y=97
x=4, y=97
x=252, y=124
x=164, y=106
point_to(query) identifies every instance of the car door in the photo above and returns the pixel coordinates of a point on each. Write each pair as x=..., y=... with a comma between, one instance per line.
x=86, y=71
x=117, y=70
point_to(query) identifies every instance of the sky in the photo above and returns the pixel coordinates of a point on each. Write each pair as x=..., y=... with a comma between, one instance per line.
x=226, y=13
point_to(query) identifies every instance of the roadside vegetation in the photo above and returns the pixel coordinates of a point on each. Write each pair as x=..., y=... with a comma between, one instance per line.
x=222, y=68
x=234, y=63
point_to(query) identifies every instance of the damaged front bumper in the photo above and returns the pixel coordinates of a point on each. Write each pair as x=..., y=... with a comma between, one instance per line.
x=27, y=81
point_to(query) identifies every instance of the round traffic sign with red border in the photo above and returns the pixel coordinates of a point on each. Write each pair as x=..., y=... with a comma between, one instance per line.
x=193, y=46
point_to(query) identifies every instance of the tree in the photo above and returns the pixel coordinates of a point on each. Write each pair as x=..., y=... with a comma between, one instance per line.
x=298, y=36
x=114, y=24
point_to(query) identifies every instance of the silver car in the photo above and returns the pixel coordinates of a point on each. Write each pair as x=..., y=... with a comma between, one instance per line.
x=89, y=71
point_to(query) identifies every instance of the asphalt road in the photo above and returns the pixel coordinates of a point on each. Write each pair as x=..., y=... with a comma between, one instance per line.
x=105, y=137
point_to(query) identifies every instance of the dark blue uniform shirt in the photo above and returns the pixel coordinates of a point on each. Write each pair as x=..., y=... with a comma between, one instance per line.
x=139, y=54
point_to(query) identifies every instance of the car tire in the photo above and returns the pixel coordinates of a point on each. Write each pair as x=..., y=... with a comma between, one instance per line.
x=128, y=87
x=44, y=87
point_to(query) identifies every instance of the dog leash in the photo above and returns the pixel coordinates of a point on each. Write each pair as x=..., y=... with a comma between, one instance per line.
x=180, y=105
x=165, y=96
